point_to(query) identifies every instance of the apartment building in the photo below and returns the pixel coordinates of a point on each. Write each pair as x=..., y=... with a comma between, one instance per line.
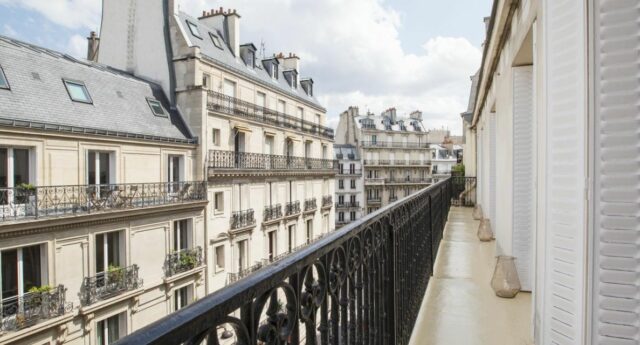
x=555, y=125
x=264, y=149
x=396, y=156
x=102, y=225
x=349, y=185
x=443, y=160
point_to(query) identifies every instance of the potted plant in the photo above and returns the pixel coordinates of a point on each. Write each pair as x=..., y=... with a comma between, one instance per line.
x=25, y=193
x=187, y=261
x=36, y=296
x=115, y=274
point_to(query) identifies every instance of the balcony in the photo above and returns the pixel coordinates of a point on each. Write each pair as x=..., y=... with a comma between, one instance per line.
x=230, y=163
x=271, y=213
x=362, y=282
x=410, y=180
x=374, y=181
x=374, y=200
x=233, y=106
x=327, y=201
x=310, y=205
x=39, y=202
x=393, y=198
x=242, y=219
x=347, y=173
x=33, y=307
x=113, y=282
x=396, y=162
x=347, y=205
x=395, y=145
x=183, y=261
x=292, y=208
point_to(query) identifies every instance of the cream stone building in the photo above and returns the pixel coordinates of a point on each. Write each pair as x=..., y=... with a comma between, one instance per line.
x=395, y=152
x=102, y=220
x=349, y=185
x=264, y=148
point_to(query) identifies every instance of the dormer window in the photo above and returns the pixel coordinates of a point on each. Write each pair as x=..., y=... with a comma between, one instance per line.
x=307, y=86
x=274, y=71
x=77, y=91
x=292, y=78
x=194, y=29
x=215, y=39
x=156, y=107
x=4, y=83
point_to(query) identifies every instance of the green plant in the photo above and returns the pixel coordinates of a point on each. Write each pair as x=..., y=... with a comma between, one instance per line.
x=34, y=300
x=187, y=260
x=115, y=273
x=458, y=168
x=40, y=289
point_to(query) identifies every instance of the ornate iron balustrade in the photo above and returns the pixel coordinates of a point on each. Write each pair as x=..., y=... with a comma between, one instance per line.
x=410, y=180
x=183, y=260
x=374, y=200
x=242, y=219
x=272, y=212
x=356, y=172
x=24, y=311
x=219, y=159
x=234, y=106
x=292, y=208
x=350, y=204
x=464, y=190
x=327, y=201
x=362, y=284
x=113, y=282
x=395, y=144
x=29, y=202
x=310, y=204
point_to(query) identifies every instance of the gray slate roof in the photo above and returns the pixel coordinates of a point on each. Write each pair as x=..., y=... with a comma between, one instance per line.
x=345, y=150
x=119, y=99
x=378, y=121
x=472, y=93
x=226, y=58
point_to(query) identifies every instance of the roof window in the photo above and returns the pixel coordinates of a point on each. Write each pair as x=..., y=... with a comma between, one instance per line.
x=4, y=83
x=216, y=40
x=156, y=107
x=77, y=91
x=194, y=29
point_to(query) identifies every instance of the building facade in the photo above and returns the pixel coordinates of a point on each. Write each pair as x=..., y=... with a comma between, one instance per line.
x=102, y=216
x=349, y=185
x=396, y=155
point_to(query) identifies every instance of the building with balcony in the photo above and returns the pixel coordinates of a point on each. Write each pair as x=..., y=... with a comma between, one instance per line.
x=349, y=186
x=442, y=160
x=395, y=153
x=102, y=218
x=264, y=149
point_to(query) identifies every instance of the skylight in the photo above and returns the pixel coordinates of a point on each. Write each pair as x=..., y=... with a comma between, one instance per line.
x=194, y=29
x=216, y=40
x=4, y=83
x=77, y=91
x=156, y=107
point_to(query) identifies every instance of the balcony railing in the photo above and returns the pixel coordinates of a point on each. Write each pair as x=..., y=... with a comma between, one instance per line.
x=362, y=284
x=231, y=160
x=242, y=219
x=327, y=201
x=350, y=204
x=356, y=172
x=374, y=200
x=272, y=212
x=374, y=181
x=310, y=204
x=393, y=198
x=183, y=260
x=409, y=180
x=40, y=304
x=233, y=106
x=395, y=144
x=396, y=162
x=114, y=281
x=29, y=202
x=292, y=208
x=464, y=190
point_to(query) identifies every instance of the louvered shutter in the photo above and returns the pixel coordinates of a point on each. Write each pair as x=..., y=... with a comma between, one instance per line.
x=492, y=169
x=523, y=173
x=565, y=73
x=616, y=303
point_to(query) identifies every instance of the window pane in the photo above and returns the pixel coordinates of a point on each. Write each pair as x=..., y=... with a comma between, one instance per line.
x=31, y=267
x=114, y=328
x=91, y=167
x=3, y=80
x=3, y=176
x=104, y=168
x=156, y=107
x=20, y=166
x=194, y=29
x=77, y=92
x=113, y=247
x=100, y=253
x=9, y=273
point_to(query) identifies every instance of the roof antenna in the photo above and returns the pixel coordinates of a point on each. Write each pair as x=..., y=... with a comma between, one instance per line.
x=262, y=49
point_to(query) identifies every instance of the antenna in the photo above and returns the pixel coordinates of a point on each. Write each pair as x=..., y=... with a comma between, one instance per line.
x=262, y=49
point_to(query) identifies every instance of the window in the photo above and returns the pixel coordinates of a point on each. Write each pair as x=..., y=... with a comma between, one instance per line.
x=243, y=253
x=156, y=107
x=291, y=237
x=4, y=83
x=22, y=269
x=282, y=106
x=340, y=184
x=109, y=253
x=182, y=237
x=182, y=297
x=219, y=259
x=324, y=151
x=99, y=170
x=15, y=170
x=174, y=171
x=206, y=81
x=272, y=245
x=194, y=29
x=218, y=203
x=318, y=121
x=274, y=70
x=309, y=230
x=353, y=199
x=353, y=184
x=374, y=139
x=341, y=216
x=352, y=215
x=229, y=88
x=215, y=136
x=300, y=113
x=215, y=39
x=352, y=168
x=340, y=199
x=111, y=329
x=77, y=91
x=261, y=100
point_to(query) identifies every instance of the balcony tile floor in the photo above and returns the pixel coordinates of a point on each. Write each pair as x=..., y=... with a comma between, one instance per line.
x=459, y=306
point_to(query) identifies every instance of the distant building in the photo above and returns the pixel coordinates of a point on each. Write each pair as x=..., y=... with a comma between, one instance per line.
x=349, y=191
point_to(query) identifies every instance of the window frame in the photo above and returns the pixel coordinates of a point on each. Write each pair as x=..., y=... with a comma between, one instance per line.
x=191, y=25
x=67, y=82
x=153, y=100
x=218, y=211
x=215, y=39
x=219, y=268
x=3, y=76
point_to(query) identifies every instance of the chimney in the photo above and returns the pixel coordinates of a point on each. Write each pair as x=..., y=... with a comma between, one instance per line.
x=230, y=21
x=416, y=115
x=291, y=62
x=487, y=20
x=93, y=46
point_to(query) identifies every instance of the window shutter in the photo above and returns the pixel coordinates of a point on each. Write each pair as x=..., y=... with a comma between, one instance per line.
x=523, y=173
x=565, y=70
x=492, y=169
x=616, y=304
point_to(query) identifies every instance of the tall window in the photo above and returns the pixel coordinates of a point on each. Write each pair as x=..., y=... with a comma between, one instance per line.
x=272, y=245
x=353, y=184
x=218, y=203
x=261, y=102
x=182, y=237
x=99, y=170
x=352, y=168
x=219, y=258
x=340, y=199
x=174, y=172
x=340, y=184
x=291, y=230
x=182, y=297
x=341, y=216
x=22, y=269
x=111, y=329
x=15, y=167
x=109, y=252
x=206, y=81
x=309, y=230
x=282, y=107
x=300, y=113
x=243, y=255
x=352, y=215
x=229, y=88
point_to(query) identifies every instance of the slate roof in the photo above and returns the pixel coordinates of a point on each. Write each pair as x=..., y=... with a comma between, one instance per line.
x=226, y=58
x=472, y=96
x=38, y=97
x=411, y=125
x=343, y=152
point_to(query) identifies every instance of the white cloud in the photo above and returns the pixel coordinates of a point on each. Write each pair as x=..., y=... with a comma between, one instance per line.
x=73, y=14
x=8, y=30
x=77, y=46
x=353, y=51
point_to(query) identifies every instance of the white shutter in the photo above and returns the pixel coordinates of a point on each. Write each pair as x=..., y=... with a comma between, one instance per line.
x=492, y=169
x=523, y=205
x=616, y=303
x=563, y=317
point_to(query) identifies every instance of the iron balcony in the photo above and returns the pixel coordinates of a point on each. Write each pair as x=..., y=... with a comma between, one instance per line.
x=242, y=219
x=115, y=281
x=183, y=260
x=33, y=307
x=220, y=160
x=292, y=208
x=351, y=204
x=395, y=144
x=272, y=212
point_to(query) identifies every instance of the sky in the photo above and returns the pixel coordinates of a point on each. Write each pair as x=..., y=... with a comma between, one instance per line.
x=374, y=54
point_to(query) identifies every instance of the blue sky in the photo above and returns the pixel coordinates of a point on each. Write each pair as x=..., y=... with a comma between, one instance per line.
x=412, y=54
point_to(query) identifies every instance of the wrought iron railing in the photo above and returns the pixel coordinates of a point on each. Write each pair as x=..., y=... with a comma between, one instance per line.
x=40, y=304
x=310, y=204
x=110, y=283
x=393, y=198
x=356, y=172
x=327, y=201
x=291, y=208
x=395, y=144
x=348, y=204
x=362, y=284
x=272, y=212
x=225, y=160
x=33, y=202
x=409, y=180
x=374, y=200
x=242, y=219
x=233, y=106
x=183, y=260
x=463, y=190
x=396, y=162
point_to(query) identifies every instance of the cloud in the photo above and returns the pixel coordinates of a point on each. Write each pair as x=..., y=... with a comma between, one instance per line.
x=8, y=30
x=77, y=46
x=72, y=14
x=353, y=51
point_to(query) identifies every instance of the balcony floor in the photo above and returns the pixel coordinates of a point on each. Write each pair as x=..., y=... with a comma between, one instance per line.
x=459, y=306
